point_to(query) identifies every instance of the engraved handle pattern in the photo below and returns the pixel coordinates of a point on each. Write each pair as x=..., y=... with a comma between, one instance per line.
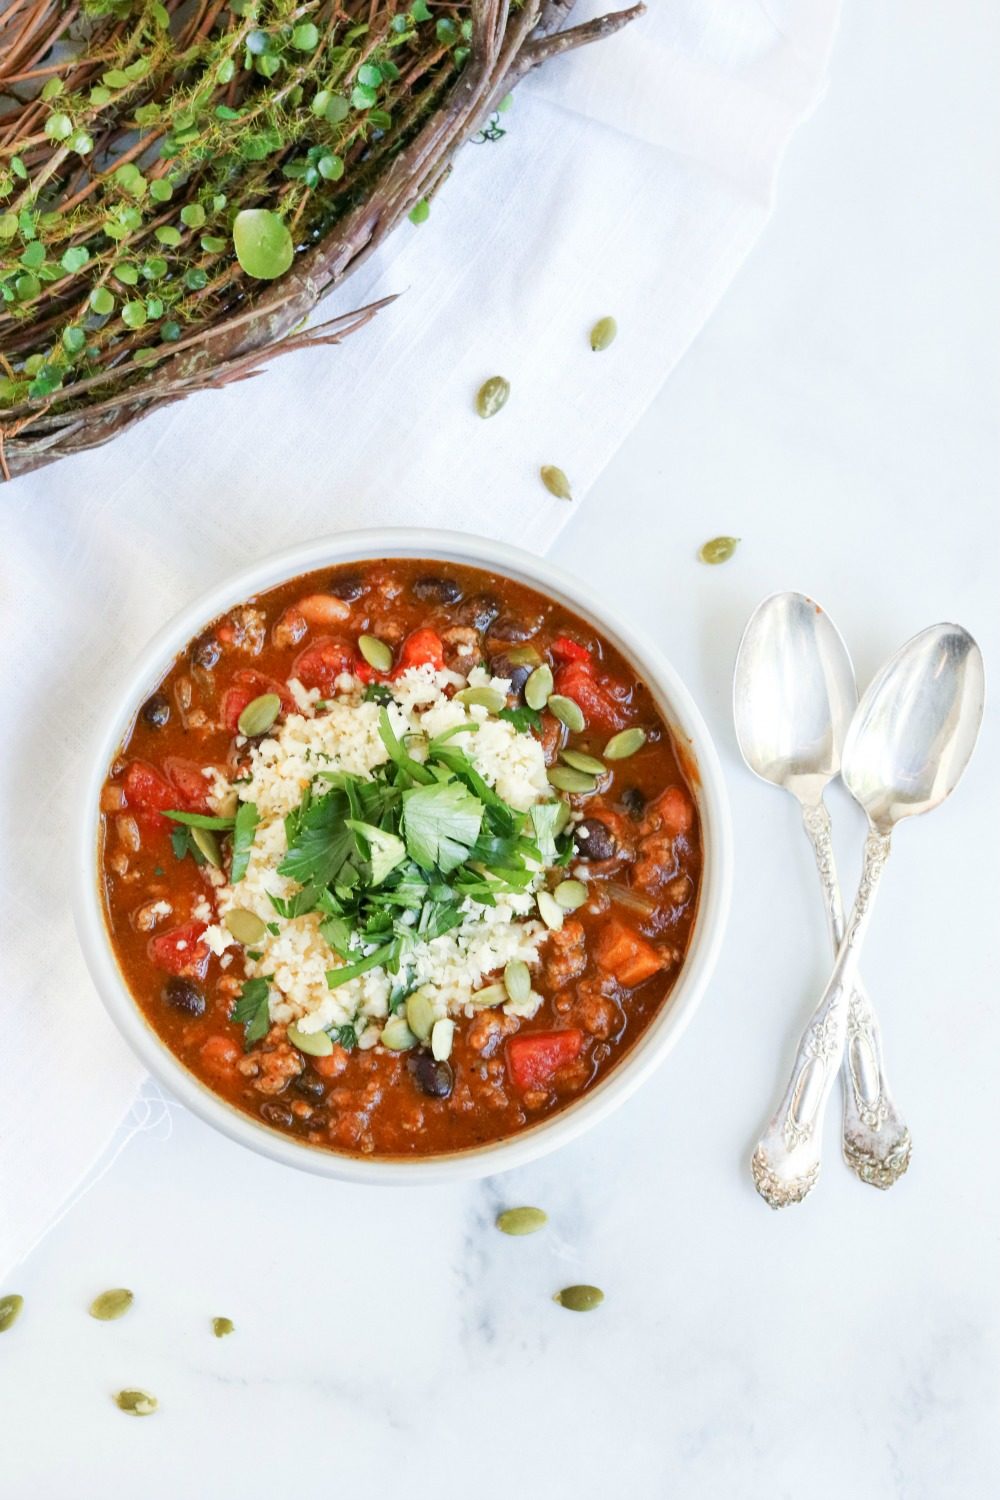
x=876, y=1141
x=785, y=1165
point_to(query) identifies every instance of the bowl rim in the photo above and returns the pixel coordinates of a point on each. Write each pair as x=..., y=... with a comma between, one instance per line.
x=674, y=701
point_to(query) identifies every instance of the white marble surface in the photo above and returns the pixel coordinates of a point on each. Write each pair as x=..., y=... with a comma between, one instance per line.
x=839, y=414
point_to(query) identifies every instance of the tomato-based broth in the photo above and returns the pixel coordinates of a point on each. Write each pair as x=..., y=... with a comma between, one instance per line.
x=400, y=858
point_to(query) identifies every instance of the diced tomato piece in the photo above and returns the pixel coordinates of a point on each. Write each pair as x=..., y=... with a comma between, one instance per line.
x=422, y=648
x=321, y=663
x=534, y=1058
x=674, y=810
x=192, y=786
x=332, y=1065
x=563, y=649
x=148, y=793
x=602, y=699
x=626, y=955
x=248, y=685
x=181, y=951
x=219, y=1055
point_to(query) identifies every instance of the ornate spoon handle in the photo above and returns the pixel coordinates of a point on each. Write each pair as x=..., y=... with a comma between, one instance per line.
x=876, y=1140
x=785, y=1165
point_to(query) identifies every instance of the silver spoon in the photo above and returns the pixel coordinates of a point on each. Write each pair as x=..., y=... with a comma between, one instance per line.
x=794, y=694
x=907, y=746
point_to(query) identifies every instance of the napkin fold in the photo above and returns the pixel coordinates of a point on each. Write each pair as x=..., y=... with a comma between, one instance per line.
x=632, y=179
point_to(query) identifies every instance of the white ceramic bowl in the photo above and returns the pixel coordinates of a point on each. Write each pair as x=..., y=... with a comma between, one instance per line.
x=658, y=1038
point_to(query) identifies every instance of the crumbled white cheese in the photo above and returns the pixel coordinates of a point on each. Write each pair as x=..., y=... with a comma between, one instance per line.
x=344, y=735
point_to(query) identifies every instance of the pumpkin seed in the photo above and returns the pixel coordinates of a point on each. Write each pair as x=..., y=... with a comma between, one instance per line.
x=111, y=1305
x=521, y=1220
x=550, y=913
x=538, y=687
x=222, y=1326
x=555, y=482
x=245, y=926
x=10, y=1310
x=136, y=1403
x=568, y=712
x=719, y=550
x=492, y=395
x=571, y=894
x=581, y=762
x=523, y=656
x=489, y=995
x=620, y=746
x=375, y=652
x=441, y=1039
x=259, y=715
x=579, y=1298
x=603, y=333
x=568, y=780
x=205, y=841
x=484, y=697
x=517, y=980
x=420, y=1013
x=312, y=1043
x=396, y=1034
x=562, y=818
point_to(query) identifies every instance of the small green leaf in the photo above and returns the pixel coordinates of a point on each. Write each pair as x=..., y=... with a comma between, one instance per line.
x=8, y=226
x=74, y=259
x=331, y=167
x=52, y=88
x=27, y=287
x=101, y=301
x=58, y=127
x=134, y=314
x=263, y=243
x=129, y=275
x=336, y=109
x=168, y=235
x=161, y=190
x=420, y=211
x=73, y=340
x=193, y=215
x=213, y=244
x=370, y=75
x=116, y=78
x=82, y=142
x=33, y=256
x=361, y=97
x=305, y=38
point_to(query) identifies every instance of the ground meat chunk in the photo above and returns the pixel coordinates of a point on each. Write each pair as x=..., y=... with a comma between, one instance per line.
x=596, y=1009
x=566, y=955
x=462, y=648
x=245, y=629
x=273, y=1065
x=488, y=1029
x=553, y=735
x=656, y=863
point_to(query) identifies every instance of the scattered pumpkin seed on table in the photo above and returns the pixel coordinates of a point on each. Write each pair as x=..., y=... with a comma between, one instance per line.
x=555, y=482
x=719, y=550
x=111, y=1305
x=492, y=396
x=521, y=1220
x=136, y=1403
x=222, y=1326
x=10, y=1310
x=579, y=1298
x=603, y=334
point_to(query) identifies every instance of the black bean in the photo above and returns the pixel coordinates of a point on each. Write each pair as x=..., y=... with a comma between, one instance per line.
x=436, y=590
x=349, y=588
x=594, y=839
x=309, y=1086
x=156, y=711
x=634, y=802
x=206, y=652
x=276, y=1114
x=479, y=611
x=433, y=1077
x=517, y=672
x=182, y=995
x=514, y=628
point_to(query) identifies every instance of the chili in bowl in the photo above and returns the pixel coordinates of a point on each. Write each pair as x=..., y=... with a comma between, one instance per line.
x=408, y=863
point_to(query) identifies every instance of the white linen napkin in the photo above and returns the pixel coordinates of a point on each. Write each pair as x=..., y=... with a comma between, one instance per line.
x=632, y=180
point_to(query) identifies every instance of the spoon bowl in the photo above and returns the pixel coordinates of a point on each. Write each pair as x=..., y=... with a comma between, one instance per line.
x=916, y=726
x=793, y=695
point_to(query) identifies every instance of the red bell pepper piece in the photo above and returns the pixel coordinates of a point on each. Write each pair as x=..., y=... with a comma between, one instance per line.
x=420, y=649
x=181, y=951
x=533, y=1059
x=148, y=793
x=192, y=786
x=248, y=685
x=564, y=649
x=603, y=700
x=623, y=953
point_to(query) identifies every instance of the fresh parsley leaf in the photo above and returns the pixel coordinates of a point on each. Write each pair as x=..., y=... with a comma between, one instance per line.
x=344, y=1036
x=398, y=754
x=449, y=734
x=376, y=692
x=322, y=842
x=523, y=719
x=384, y=955
x=200, y=820
x=386, y=850
x=337, y=932
x=303, y=901
x=503, y=818
x=243, y=834
x=545, y=820
x=440, y=824
x=252, y=1012
x=182, y=845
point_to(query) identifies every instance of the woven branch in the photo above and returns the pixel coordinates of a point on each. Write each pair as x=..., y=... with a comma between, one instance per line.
x=237, y=324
